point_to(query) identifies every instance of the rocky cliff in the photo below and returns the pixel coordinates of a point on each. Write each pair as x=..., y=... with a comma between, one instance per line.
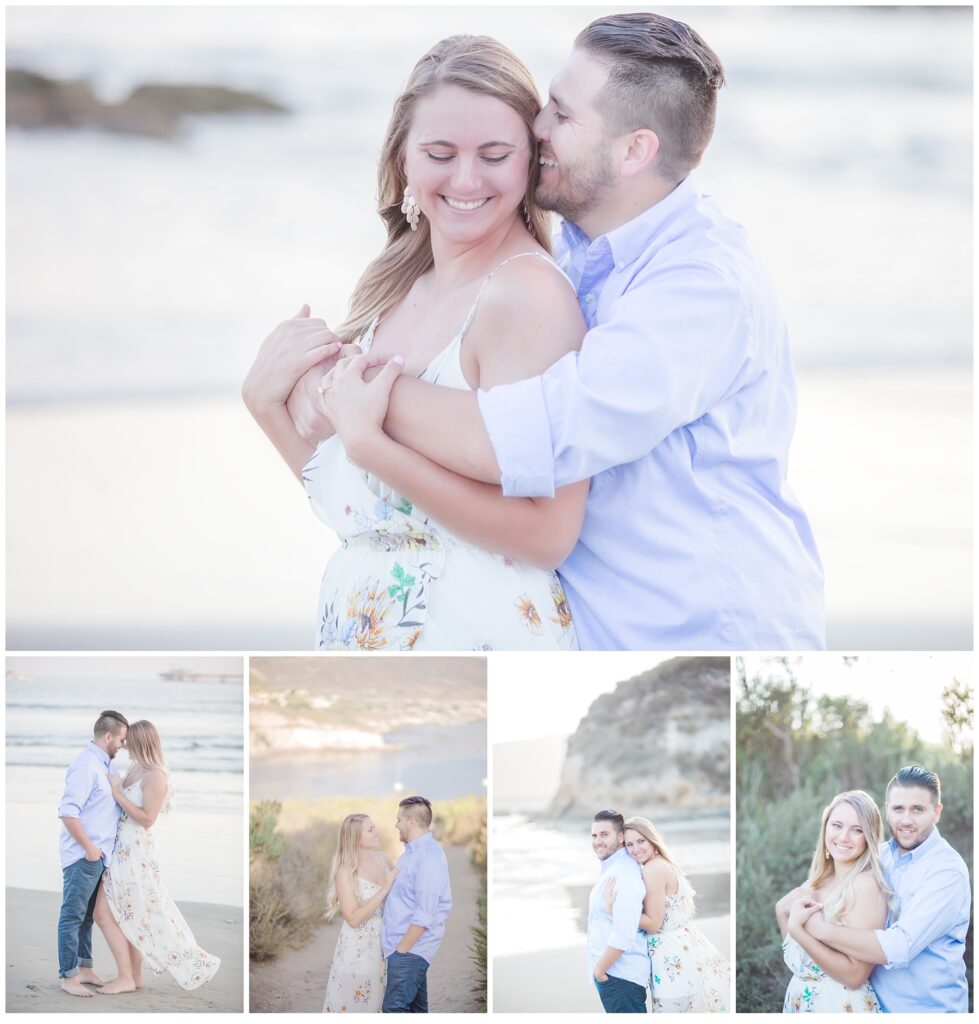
x=658, y=743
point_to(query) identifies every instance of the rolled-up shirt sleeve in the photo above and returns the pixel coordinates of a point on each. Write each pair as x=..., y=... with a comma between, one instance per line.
x=626, y=911
x=672, y=347
x=931, y=912
x=429, y=882
x=78, y=785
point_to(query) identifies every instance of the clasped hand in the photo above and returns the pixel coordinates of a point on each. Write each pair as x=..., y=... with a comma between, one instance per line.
x=293, y=348
x=356, y=406
x=801, y=911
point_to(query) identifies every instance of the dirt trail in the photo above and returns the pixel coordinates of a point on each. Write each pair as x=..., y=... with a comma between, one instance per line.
x=295, y=981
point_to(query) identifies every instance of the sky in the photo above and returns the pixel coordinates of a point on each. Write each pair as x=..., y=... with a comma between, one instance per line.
x=542, y=694
x=909, y=684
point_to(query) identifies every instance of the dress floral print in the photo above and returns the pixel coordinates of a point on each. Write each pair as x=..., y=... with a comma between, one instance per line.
x=812, y=990
x=358, y=972
x=400, y=581
x=146, y=914
x=687, y=974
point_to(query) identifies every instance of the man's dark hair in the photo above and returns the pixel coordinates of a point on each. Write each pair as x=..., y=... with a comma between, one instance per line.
x=661, y=76
x=109, y=721
x=915, y=775
x=419, y=808
x=613, y=816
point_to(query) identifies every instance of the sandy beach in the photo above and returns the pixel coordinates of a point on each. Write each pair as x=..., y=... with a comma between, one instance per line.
x=295, y=982
x=556, y=980
x=32, y=963
x=220, y=546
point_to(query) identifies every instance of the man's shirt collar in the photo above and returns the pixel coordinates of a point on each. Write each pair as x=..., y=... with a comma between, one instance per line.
x=629, y=241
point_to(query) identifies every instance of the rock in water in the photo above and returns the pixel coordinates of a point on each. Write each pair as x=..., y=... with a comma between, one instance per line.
x=156, y=110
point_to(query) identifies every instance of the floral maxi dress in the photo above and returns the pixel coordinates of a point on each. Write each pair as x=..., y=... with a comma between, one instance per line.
x=401, y=581
x=687, y=974
x=811, y=990
x=358, y=972
x=146, y=914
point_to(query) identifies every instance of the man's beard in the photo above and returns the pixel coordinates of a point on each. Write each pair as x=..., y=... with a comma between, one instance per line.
x=580, y=187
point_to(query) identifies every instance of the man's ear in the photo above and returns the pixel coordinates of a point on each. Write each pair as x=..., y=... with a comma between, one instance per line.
x=641, y=150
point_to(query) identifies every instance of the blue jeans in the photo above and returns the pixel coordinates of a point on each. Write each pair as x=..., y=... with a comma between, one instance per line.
x=621, y=996
x=81, y=886
x=407, y=987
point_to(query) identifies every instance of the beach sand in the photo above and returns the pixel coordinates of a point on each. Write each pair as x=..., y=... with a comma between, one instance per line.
x=295, y=982
x=33, y=985
x=556, y=980
x=186, y=531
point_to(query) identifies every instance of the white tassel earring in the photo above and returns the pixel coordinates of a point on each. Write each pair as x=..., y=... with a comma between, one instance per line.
x=411, y=209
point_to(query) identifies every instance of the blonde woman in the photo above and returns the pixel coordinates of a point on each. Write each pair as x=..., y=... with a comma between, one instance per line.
x=847, y=885
x=464, y=294
x=360, y=879
x=140, y=921
x=687, y=974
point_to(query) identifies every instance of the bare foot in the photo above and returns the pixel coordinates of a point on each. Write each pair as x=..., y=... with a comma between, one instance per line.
x=88, y=977
x=117, y=986
x=138, y=979
x=74, y=987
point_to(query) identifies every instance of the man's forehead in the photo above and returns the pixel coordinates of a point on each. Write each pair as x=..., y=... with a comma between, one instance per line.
x=909, y=795
x=579, y=81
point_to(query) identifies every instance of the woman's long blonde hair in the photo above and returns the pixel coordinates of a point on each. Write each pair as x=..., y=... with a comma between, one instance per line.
x=481, y=65
x=823, y=867
x=649, y=832
x=145, y=749
x=344, y=860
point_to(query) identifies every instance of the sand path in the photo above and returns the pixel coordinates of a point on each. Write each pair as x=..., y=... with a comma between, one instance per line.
x=295, y=981
x=33, y=985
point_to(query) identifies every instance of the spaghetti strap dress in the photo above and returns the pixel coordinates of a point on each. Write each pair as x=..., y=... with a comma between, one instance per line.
x=402, y=581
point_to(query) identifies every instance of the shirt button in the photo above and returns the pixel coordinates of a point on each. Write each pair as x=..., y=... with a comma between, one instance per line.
x=620, y=265
x=590, y=297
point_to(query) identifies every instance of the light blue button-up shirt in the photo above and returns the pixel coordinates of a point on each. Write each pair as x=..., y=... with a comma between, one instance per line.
x=420, y=895
x=680, y=406
x=925, y=938
x=620, y=929
x=88, y=797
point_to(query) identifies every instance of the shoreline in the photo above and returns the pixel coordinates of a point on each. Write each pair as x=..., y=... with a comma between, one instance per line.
x=32, y=979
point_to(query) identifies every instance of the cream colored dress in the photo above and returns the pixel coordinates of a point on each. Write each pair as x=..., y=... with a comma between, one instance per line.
x=687, y=974
x=141, y=904
x=812, y=990
x=358, y=972
x=402, y=581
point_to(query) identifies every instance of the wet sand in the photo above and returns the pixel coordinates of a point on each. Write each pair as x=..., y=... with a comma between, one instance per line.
x=33, y=985
x=557, y=981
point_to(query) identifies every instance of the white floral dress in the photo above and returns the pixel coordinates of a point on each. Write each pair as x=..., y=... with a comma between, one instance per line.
x=812, y=990
x=141, y=904
x=358, y=972
x=687, y=974
x=401, y=581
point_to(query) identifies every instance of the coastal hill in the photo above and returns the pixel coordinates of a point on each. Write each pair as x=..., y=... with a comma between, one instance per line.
x=659, y=741
x=349, y=702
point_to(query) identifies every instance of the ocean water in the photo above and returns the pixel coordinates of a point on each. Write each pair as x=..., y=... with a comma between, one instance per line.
x=441, y=761
x=543, y=871
x=200, y=723
x=140, y=267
